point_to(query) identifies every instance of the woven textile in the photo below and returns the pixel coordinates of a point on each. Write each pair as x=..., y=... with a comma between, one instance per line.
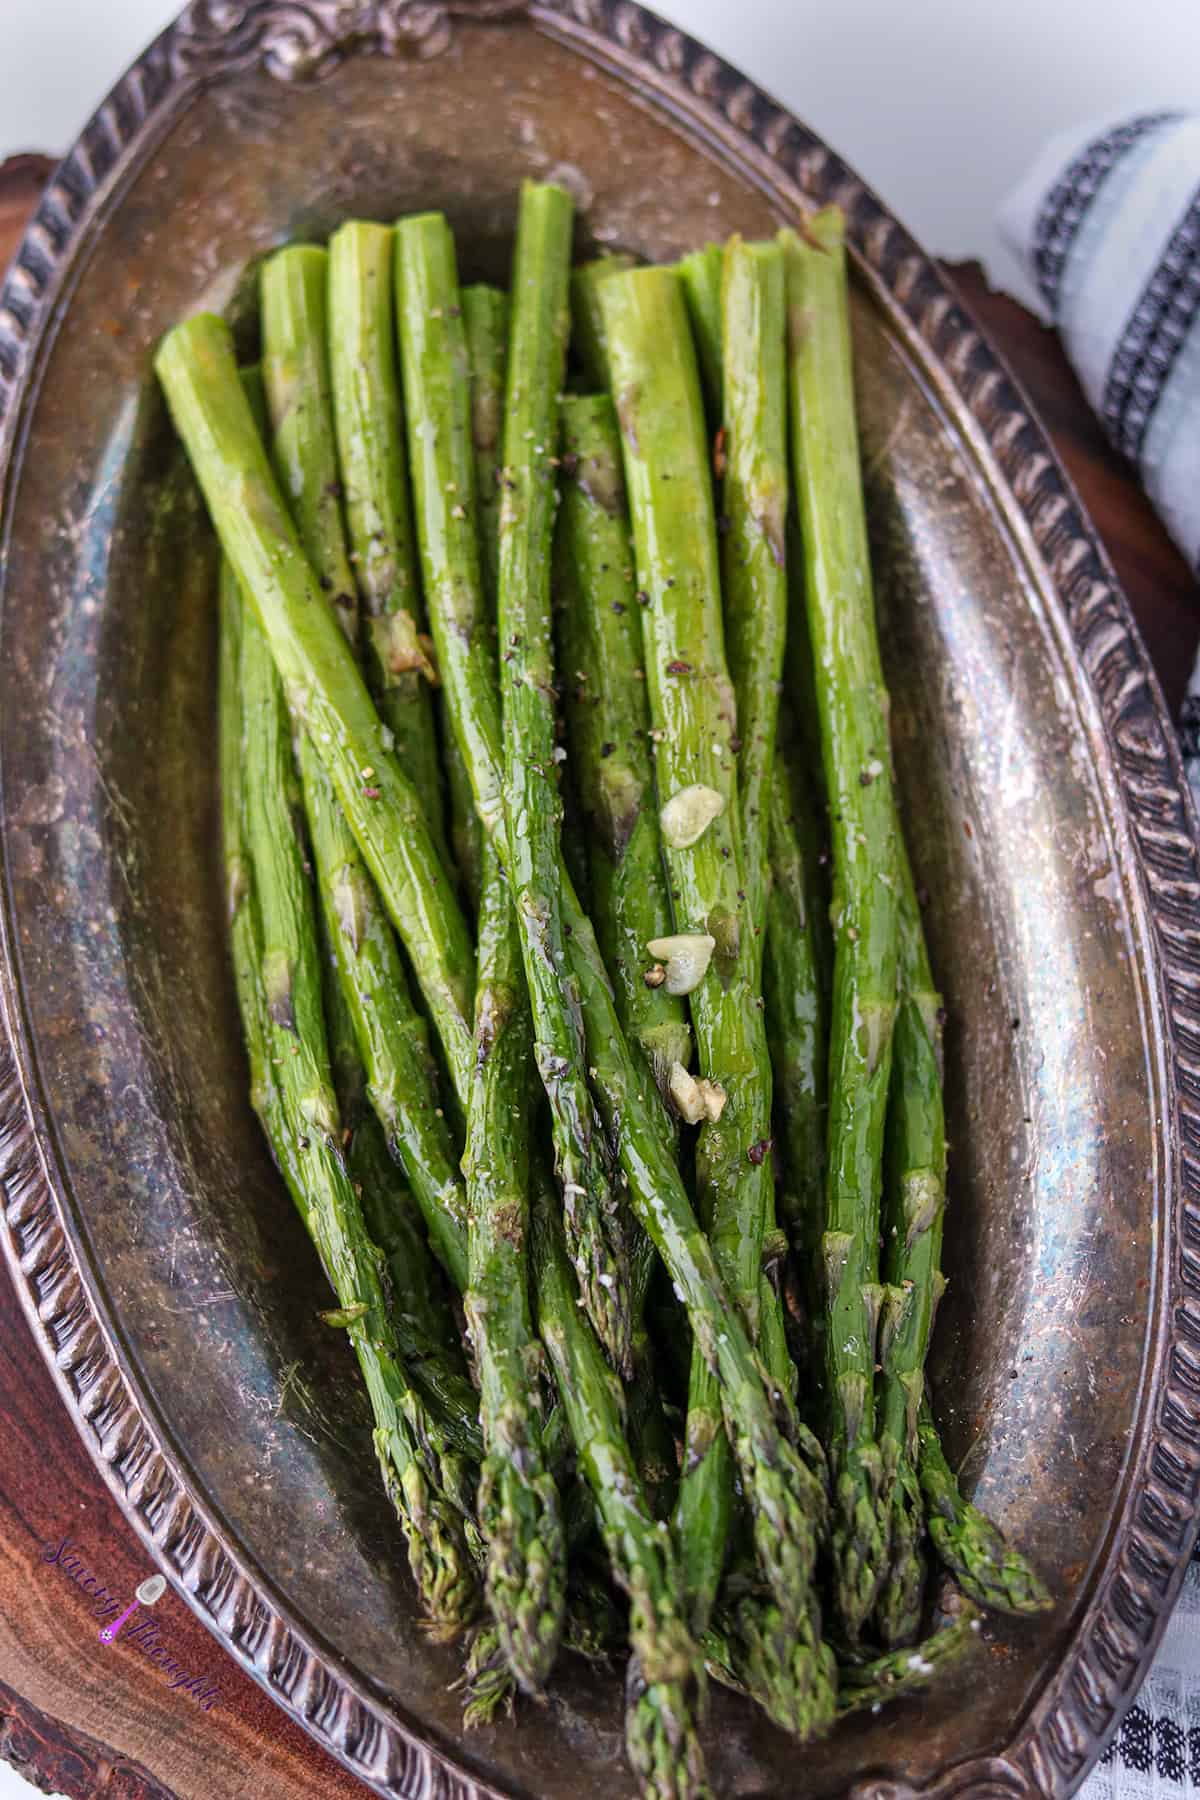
x=1108, y=226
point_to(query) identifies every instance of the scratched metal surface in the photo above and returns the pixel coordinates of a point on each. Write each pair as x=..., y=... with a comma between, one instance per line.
x=108, y=755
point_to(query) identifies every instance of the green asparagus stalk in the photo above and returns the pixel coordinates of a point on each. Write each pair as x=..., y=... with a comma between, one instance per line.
x=434, y=364
x=589, y=338
x=401, y=1076
x=390, y=1033
x=295, y=371
x=852, y=705
x=487, y=1679
x=664, y=1689
x=374, y=475
x=987, y=1568
x=239, y=903
x=466, y=833
x=693, y=711
x=914, y=1207
x=594, y=1628
x=750, y=1649
x=869, y=1686
x=196, y=366
x=533, y=810
x=701, y=274
x=485, y=323
x=609, y=724
x=512, y=769
x=797, y=1027
x=755, y=504
x=421, y=1318
x=798, y=756
x=418, y=1306
x=518, y=1501
x=419, y=1470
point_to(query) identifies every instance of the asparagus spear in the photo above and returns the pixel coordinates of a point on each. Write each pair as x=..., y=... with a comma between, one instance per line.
x=664, y=1689
x=485, y=322
x=988, y=1569
x=852, y=705
x=424, y=1324
x=239, y=903
x=749, y=1650
x=533, y=811
x=609, y=724
x=418, y=1307
x=692, y=707
x=196, y=366
x=914, y=1207
x=295, y=372
x=370, y=445
x=793, y=989
x=419, y=1471
x=701, y=274
x=389, y=1031
x=600, y=647
x=435, y=369
x=755, y=503
x=512, y=768
x=466, y=834
x=518, y=1501
x=589, y=339
x=969, y=1544
x=594, y=1627
x=899, y=1673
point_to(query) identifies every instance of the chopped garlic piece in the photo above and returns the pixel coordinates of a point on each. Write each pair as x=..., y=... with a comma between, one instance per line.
x=714, y=1097
x=686, y=957
x=684, y=1090
x=688, y=814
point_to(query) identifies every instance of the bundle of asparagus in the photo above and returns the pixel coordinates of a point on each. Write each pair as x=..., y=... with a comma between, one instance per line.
x=672, y=1151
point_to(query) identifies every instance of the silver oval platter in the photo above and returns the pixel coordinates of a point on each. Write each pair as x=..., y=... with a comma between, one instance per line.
x=152, y=1246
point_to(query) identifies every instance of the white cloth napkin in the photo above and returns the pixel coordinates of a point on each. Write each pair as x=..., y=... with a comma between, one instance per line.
x=1107, y=223
x=1156, y=1752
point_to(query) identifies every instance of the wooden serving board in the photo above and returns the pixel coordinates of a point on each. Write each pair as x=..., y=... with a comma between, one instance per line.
x=90, y=1721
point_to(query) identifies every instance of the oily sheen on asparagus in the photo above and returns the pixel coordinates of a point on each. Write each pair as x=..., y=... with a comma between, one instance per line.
x=629, y=1182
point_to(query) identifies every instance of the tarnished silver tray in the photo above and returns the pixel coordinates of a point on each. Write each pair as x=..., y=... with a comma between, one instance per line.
x=152, y=1246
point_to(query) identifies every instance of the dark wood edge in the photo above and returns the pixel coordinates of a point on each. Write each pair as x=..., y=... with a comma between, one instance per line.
x=62, y=1761
x=1069, y=1724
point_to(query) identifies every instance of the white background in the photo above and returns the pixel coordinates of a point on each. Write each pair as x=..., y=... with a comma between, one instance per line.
x=939, y=103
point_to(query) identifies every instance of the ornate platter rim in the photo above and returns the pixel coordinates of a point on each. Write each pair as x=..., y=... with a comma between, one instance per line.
x=1068, y=1726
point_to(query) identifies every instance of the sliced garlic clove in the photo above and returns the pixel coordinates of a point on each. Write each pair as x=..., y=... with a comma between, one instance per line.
x=684, y=1090
x=688, y=814
x=686, y=957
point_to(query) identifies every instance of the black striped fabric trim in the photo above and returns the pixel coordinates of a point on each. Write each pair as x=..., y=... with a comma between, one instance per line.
x=1158, y=1748
x=1189, y=740
x=1167, y=309
x=1066, y=205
